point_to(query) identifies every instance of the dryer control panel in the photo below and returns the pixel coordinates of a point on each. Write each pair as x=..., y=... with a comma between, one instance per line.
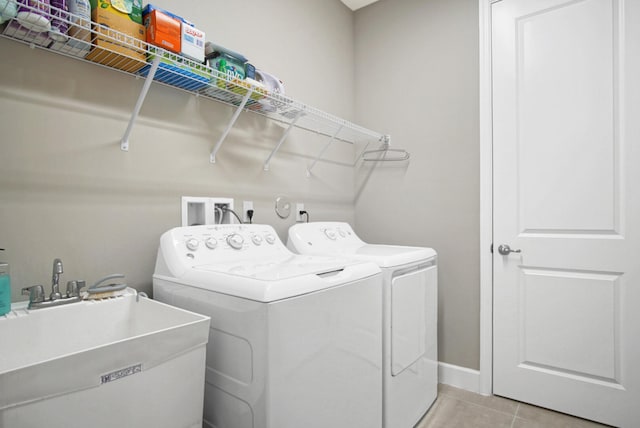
x=339, y=239
x=322, y=236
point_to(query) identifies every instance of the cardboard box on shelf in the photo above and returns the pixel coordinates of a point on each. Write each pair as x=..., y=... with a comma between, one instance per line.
x=118, y=41
x=149, y=7
x=163, y=30
x=192, y=43
x=130, y=9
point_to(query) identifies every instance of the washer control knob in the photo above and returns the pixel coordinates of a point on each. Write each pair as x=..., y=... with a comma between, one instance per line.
x=235, y=241
x=342, y=233
x=192, y=244
x=330, y=234
x=211, y=243
x=257, y=239
x=270, y=238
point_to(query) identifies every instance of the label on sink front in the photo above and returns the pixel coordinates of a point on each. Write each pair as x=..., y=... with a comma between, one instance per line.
x=119, y=374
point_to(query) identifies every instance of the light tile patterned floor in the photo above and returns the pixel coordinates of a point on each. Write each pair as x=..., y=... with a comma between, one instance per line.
x=457, y=408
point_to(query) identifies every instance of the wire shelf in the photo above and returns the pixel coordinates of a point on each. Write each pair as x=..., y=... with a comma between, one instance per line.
x=74, y=36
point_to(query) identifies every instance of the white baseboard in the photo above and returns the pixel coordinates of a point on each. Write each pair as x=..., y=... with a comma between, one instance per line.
x=459, y=377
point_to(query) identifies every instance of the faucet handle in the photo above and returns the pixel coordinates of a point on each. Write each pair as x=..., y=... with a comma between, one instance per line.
x=35, y=293
x=57, y=267
x=73, y=287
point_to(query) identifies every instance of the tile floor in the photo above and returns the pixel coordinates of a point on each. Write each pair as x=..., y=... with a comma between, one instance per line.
x=457, y=408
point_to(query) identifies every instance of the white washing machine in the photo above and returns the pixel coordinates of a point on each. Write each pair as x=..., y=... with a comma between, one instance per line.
x=295, y=340
x=410, y=306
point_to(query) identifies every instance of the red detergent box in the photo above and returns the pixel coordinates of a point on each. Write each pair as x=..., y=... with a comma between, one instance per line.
x=163, y=30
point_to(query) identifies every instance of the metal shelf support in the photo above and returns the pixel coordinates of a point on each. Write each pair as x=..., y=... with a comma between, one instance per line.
x=282, y=139
x=324, y=149
x=234, y=118
x=124, y=143
x=193, y=78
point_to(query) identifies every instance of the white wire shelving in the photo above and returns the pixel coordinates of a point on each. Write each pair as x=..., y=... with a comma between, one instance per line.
x=98, y=44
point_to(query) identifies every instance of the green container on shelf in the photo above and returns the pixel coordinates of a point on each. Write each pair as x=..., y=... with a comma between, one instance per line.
x=229, y=65
x=129, y=8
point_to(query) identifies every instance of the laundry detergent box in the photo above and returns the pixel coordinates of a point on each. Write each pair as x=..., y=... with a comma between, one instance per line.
x=192, y=43
x=177, y=70
x=191, y=40
x=162, y=30
x=118, y=41
x=149, y=7
x=130, y=9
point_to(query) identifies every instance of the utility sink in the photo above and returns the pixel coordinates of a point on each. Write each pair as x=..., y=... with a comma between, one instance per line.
x=126, y=361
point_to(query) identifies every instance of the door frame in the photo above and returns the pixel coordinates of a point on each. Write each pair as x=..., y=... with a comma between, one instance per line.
x=485, y=386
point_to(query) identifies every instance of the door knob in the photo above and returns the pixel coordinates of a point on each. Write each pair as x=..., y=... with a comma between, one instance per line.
x=505, y=250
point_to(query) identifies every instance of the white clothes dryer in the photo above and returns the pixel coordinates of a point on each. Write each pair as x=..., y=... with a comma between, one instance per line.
x=410, y=306
x=295, y=340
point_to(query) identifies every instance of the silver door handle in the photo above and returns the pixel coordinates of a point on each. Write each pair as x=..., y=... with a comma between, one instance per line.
x=505, y=250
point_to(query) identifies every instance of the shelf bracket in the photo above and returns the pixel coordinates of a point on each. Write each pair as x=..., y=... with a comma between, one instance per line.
x=124, y=143
x=236, y=114
x=324, y=149
x=284, y=137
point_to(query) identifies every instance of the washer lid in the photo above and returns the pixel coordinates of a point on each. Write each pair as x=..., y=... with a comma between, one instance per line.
x=272, y=279
x=279, y=269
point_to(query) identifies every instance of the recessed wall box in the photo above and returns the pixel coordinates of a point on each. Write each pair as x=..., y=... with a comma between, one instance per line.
x=194, y=211
x=202, y=210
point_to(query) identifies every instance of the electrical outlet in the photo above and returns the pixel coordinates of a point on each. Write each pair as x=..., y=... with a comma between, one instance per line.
x=246, y=206
x=299, y=207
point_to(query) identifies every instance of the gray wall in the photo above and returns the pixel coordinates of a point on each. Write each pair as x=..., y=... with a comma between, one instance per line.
x=66, y=189
x=417, y=79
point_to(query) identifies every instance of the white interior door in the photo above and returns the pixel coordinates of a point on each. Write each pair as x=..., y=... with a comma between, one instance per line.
x=566, y=124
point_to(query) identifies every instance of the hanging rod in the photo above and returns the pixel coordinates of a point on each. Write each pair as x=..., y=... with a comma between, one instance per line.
x=402, y=155
x=399, y=154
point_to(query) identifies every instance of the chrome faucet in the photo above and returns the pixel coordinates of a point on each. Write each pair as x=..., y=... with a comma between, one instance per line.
x=36, y=292
x=55, y=280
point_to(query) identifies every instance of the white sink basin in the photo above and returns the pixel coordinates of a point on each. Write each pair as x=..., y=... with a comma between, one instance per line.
x=61, y=354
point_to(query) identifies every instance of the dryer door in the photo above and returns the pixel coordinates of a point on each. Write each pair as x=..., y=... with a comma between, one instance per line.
x=412, y=300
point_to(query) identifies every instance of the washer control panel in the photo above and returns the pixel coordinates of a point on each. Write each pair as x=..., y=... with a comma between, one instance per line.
x=220, y=243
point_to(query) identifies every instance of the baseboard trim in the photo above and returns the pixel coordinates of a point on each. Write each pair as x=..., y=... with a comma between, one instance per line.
x=459, y=377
